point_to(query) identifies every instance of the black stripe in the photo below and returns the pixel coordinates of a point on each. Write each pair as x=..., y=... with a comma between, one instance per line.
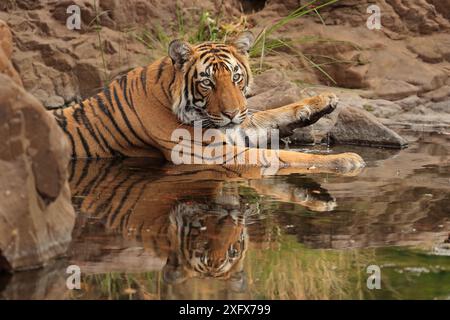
x=247, y=71
x=131, y=102
x=131, y=105
x=113, y=215
x=134, y=84
x=223, y=56
x=123, y=79
x=61, y=119
x=87, y=124
x=193, y=91
x=205, y=45
x=107, y=93
x=84, y=172
x=84, y=143
x=144, y=79
x=101, y=179
x=207, y=59
x=113, y=121
x=76, y=114
x=124, y=87
x=125, y=118
x=186, y=85
x=103, y=205
x=160, y=70
x=72, y=165
x=128, y=95
x=111, y=150
x=172, y=81
x=204, y=54
x=104, y=170
x=165, y=92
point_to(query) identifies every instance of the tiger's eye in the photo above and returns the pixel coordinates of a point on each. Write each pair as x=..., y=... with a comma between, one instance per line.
x=207, y=82
x=236, y=77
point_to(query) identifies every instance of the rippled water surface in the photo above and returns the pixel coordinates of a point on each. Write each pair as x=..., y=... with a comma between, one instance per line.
x=146, y=230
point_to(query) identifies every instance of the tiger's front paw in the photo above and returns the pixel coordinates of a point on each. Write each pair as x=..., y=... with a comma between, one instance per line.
x=348, y=163
x=312, y=109
x=328, y=103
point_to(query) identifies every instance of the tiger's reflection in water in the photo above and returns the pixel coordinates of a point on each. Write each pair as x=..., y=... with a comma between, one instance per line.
x=208, y=241
x=194, y=220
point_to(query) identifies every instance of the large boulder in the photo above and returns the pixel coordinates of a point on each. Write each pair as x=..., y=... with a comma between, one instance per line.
x=350, y=123
x=272, y=89
x=36, y=215
x=357, y=126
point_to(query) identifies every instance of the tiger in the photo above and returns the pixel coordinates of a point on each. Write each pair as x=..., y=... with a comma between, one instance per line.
x=196, y=219
x=206, y=83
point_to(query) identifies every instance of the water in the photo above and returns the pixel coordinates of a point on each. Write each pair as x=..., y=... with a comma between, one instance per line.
x=146, y=230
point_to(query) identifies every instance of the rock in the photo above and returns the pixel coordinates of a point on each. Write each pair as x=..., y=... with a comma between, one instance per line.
x=379, y=107
x=382, y=108
x=356, y=126
x=442, y=7
x=89, y=79
x=398, y=16
x=283, y=94
x=267, y=80
x=54, y=102
x=271, y=89
x=349, y=73
x=317, y=132
x=426, y=51
x=410, y=102
x=29, y=4
x=394, y=89
x=443, y=107
x=36, y=215
x=47, y=283
x=5, y=39
x=433, y=115
x=6, y=66
x=438, y=95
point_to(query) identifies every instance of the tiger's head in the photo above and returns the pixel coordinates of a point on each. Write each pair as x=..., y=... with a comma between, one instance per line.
x=214, y=81
x=209, y=241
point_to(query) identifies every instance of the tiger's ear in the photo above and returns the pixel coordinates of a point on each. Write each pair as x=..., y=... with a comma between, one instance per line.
x=244, y=42
x=179, y=51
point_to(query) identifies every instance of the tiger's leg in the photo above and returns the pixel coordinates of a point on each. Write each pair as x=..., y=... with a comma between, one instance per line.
x=305, y=192
x=272, y=161
x=294, y=115
x=344, y=163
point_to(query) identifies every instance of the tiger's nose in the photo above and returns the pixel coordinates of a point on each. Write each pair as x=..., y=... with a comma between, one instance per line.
x=230, y=114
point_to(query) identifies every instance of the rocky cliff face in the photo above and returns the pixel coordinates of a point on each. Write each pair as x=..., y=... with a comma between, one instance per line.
x=36, y=215
x=407, y=61
x=6, y=49
x=408, y=58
